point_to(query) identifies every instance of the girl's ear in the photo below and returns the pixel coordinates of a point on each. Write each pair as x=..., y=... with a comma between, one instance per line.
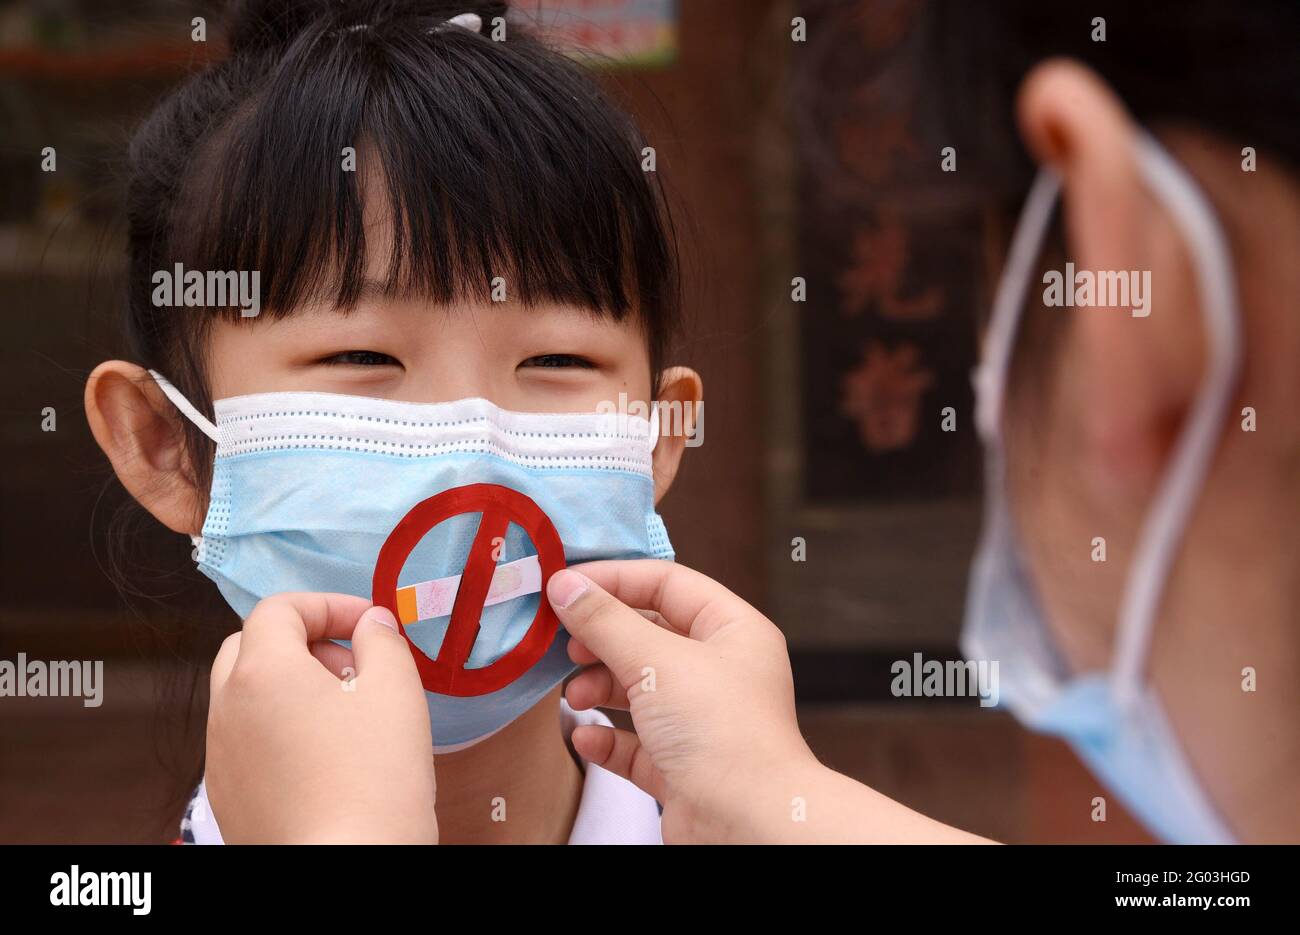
x=139, y=430
x=681, y=420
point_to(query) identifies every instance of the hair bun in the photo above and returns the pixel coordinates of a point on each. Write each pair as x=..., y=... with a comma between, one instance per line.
x=257, y=25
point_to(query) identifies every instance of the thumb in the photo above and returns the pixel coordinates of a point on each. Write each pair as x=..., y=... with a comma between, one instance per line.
x=619, y=636
x=378, y=647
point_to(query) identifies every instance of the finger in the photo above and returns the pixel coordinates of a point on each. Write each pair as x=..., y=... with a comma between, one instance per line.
x=622, y=639
x=223, y=663
x=691, y=603
x=297, y=618
x=380, y=649
x=580, y=654
x=620, y=752
x=656, y=618
x=594, y=687
x=338, y=659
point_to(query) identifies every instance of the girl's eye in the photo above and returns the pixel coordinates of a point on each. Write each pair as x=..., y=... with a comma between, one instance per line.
x=362, y=359
x=558, y=360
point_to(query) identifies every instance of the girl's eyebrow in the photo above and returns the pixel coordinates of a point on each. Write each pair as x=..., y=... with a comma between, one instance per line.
x=367, y=290
x=373, y=289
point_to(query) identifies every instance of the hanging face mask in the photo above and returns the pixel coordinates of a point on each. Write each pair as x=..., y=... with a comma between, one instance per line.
x=470, y=506
x=1114, y=720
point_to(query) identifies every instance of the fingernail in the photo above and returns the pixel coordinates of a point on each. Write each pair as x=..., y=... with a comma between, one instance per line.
x=565, y=587
x=382, y=616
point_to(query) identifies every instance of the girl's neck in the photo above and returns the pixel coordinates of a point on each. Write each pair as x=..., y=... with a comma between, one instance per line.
x=520, y=786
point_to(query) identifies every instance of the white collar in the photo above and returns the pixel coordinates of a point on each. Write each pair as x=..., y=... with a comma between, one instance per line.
x=611, y=811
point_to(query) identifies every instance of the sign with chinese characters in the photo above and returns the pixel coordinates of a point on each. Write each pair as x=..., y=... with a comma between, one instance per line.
x=888, y=329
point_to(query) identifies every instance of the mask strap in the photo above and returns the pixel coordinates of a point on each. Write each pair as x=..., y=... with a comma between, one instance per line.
x=185, y=406
x=1162, y=532
x=990, y=377
x=654, y=424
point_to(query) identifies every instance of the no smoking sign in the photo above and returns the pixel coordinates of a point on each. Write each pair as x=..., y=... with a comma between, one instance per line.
x=499, y=506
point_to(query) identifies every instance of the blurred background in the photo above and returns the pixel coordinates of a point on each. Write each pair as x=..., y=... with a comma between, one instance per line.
x=825, y=491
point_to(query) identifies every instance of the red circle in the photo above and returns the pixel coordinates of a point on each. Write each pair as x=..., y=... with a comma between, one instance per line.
x=500, y=507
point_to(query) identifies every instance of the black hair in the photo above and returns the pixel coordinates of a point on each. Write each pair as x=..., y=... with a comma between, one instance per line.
x=493, y=158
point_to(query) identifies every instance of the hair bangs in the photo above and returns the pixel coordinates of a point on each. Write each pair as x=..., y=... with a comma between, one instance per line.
x=480, y=168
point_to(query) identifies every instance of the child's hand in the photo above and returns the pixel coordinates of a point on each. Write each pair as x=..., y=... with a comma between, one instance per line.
x=299, y=753
x=707, y=680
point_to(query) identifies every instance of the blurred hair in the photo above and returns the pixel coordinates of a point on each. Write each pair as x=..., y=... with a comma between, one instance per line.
x=1230, y=69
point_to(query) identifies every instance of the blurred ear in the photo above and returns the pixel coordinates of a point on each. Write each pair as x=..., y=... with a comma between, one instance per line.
x=1132, y=378
x=140, y=431
x=681, y=419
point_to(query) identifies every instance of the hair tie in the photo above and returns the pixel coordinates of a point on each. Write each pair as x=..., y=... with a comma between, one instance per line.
x=471, y=21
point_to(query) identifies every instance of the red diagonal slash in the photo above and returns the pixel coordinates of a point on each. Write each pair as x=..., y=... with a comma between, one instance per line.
x=499, y=506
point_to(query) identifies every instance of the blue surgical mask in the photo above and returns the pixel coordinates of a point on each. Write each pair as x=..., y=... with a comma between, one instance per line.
x=1114, y=720
x=307, y=488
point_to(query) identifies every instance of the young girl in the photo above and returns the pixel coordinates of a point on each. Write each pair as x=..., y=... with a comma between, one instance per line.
x=455, y=263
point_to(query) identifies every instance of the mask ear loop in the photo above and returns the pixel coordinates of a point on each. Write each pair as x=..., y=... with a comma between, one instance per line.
x=990, y=377
x=185, y=406
x=654, y=425
x=1161, y=534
